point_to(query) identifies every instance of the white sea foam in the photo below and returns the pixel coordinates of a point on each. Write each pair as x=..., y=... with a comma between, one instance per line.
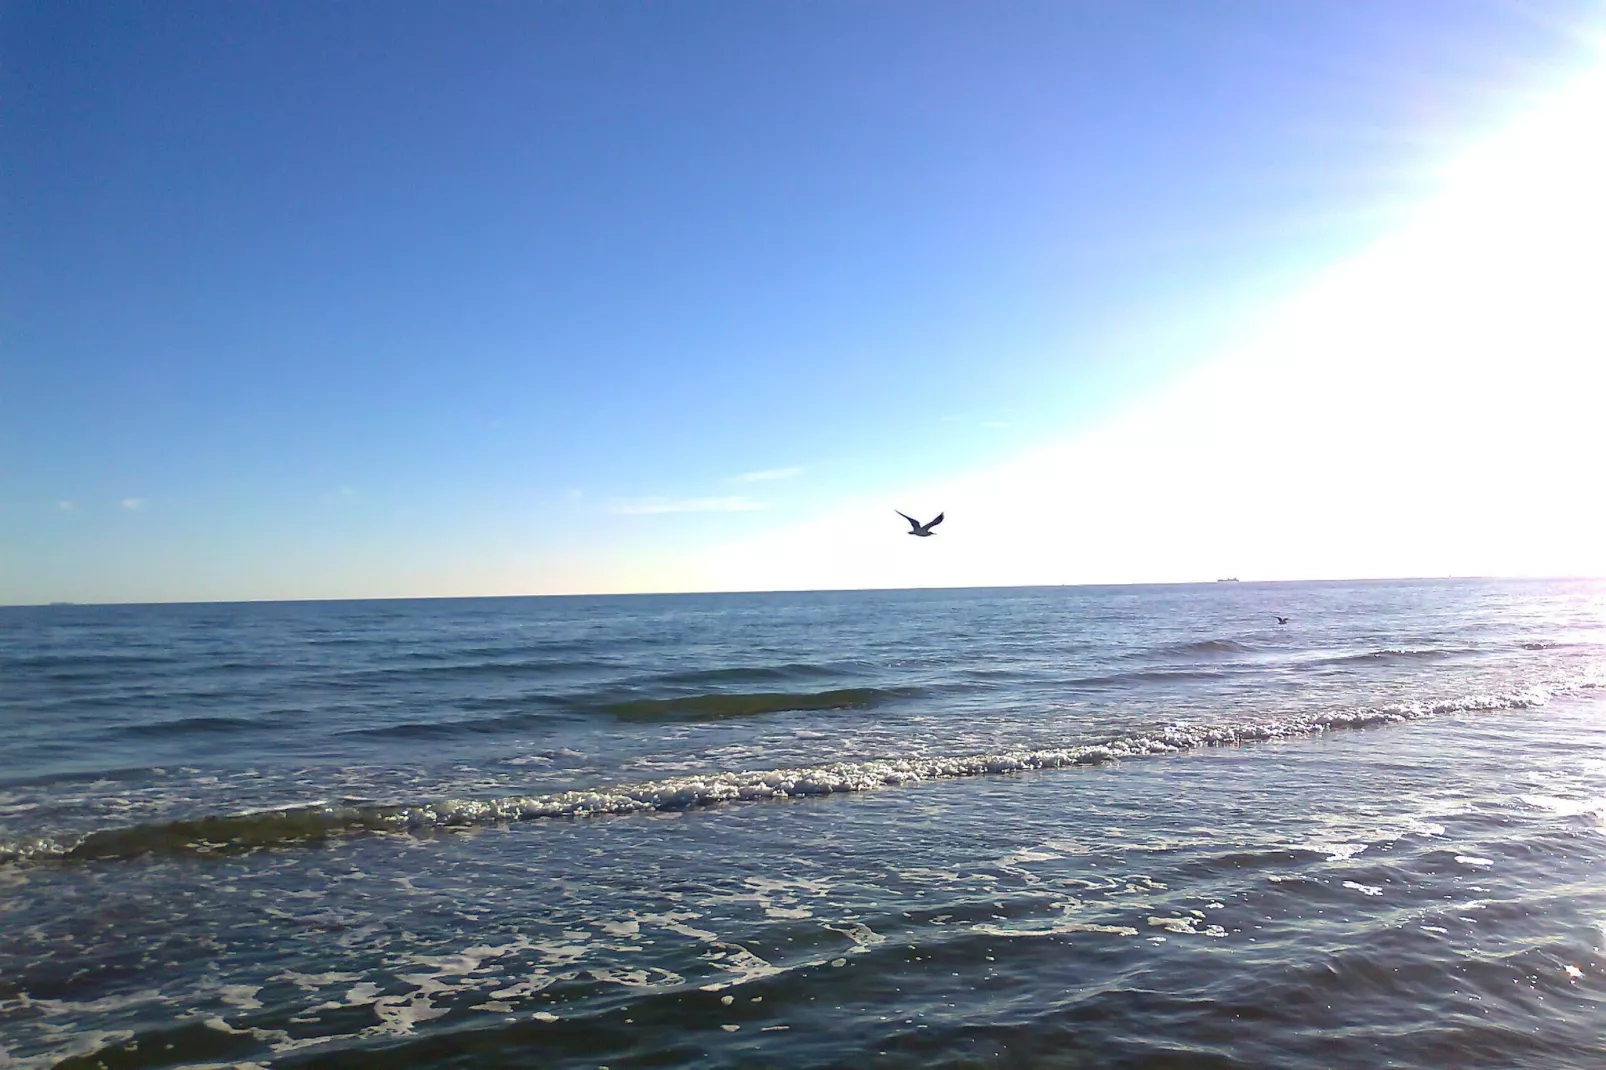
x=241, y=996
x=840, y=777
x=1184, y=926
x=713, y=788
x=1063, y=925
x=1335, y=852
x=1568, y=807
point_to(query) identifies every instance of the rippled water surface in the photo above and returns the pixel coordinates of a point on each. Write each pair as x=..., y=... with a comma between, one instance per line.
x=1033, y=827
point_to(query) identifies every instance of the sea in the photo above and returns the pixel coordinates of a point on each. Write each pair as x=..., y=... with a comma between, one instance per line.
x=1143, y=826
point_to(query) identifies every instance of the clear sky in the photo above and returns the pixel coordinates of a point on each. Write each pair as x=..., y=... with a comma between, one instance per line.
x=372, y=299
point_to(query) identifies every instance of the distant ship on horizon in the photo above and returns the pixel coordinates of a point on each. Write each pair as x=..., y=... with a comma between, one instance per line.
x=1229, y=579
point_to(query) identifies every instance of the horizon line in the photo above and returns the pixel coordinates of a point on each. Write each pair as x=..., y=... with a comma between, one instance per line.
x=66, y=604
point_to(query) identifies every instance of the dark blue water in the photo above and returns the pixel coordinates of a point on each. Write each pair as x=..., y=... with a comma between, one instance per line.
x=1030, y=827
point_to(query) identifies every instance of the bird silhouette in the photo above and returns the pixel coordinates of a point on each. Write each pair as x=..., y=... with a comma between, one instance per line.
x=1281, y=620
x=916, y=527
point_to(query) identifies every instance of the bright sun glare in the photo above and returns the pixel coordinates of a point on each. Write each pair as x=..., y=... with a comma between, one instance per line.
x=1429, y=407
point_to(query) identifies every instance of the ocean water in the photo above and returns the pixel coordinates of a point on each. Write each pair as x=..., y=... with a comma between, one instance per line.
x=1058, y=827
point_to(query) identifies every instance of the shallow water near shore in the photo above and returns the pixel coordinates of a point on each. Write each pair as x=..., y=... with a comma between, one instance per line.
x=1041, y=827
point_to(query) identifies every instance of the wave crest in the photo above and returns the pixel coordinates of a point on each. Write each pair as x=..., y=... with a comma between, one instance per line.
x=1204, y=646
x=264, y=829
x=1396, y=654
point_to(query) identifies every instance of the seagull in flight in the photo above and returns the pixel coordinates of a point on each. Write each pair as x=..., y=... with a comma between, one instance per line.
x=1281, y=620
x=916, y=527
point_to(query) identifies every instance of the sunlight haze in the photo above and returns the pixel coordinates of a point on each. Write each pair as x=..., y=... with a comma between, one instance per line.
x=1431, y=406
x=420, y=300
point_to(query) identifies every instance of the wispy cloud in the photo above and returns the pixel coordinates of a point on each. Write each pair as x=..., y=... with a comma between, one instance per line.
x=133, y=503
x=65, y=506
x=766, y=475
x=650, y=506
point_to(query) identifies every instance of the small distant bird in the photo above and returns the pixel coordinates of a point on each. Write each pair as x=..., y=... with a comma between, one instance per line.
x=916, y=527
x=1281, y=620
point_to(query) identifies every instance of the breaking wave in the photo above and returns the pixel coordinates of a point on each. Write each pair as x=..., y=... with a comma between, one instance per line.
x=1396, y=654
x=1203, y=646
x=272, y=828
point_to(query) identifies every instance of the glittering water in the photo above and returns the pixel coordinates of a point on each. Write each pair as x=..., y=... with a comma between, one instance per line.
x=1036, y=827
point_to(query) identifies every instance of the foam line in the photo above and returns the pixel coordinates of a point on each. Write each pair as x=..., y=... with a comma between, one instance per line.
x=243, y=832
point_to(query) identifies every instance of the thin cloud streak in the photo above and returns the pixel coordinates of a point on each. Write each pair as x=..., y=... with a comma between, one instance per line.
x=655, y=506
x=767, y=475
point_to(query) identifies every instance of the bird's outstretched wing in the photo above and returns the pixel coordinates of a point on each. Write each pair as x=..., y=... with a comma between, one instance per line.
x=913, y=523
x=934, y=523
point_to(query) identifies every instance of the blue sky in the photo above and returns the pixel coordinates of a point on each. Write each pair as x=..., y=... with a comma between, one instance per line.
x=318, y=300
